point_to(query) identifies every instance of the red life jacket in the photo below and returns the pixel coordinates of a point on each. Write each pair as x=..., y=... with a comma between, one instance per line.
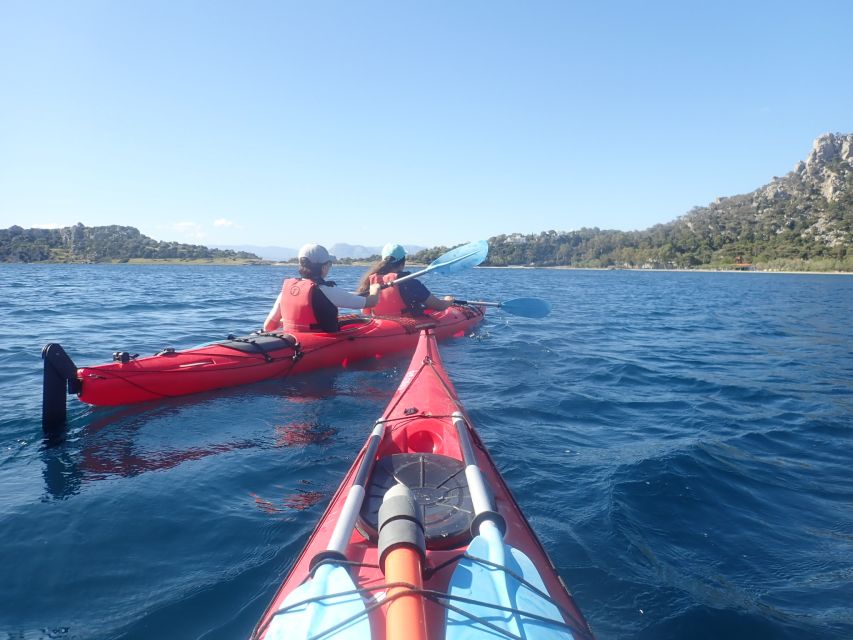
x=297, y=311
x=390, y=301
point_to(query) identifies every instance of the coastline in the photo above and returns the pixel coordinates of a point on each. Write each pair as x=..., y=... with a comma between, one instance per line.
x=271, y=263
x=698, y=270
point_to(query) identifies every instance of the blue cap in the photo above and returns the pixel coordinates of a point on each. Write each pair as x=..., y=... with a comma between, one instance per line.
x=395, y=251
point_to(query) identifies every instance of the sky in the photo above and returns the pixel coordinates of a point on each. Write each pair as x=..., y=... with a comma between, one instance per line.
x=427, y=123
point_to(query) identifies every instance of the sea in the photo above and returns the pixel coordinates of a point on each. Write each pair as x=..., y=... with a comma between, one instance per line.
x=681, y=442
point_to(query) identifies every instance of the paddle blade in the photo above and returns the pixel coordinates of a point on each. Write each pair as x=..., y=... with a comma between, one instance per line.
x=527, y=307
x=464, y=257
x=315, y=608
x=490, y=585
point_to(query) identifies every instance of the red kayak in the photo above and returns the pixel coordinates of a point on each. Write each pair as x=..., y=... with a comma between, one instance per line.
x=257, y=357
x=423, y=538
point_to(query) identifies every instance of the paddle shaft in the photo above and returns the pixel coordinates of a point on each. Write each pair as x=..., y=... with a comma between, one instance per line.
x=330, y=597
x=478, y=303
x=355, y=497
x=480, y=496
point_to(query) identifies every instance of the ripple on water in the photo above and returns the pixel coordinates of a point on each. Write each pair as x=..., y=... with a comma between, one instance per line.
x=679, y=441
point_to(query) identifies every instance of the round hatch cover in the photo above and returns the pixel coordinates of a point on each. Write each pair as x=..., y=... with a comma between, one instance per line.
x=440, y=490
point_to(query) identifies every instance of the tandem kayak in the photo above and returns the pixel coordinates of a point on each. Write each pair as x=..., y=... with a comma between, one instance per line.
x=243, y=360
x=423, y=538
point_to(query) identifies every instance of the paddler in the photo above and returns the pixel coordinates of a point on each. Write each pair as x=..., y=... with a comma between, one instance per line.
x=408, y=298
x=310, y=302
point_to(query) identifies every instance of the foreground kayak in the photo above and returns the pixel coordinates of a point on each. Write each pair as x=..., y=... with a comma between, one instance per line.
x=257, y=357
x=423, y=539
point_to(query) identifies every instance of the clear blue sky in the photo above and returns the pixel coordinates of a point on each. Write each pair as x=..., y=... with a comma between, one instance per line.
x=279, y=123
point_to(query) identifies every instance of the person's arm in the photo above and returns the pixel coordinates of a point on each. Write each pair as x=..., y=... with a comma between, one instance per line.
x=346, y=300
x=273, y=320
x=372, y=298
x=416, y=295
x=438, y=304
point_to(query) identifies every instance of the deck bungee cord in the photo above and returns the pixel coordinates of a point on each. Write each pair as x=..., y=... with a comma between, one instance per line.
x=441, y=598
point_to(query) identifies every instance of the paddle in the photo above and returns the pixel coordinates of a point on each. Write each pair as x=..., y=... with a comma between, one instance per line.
x=525, y=307
x=464, y=257
x=316, y=606
x=494, y=581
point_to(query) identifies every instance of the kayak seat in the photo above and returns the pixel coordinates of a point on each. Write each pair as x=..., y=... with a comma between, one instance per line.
x=440, y=491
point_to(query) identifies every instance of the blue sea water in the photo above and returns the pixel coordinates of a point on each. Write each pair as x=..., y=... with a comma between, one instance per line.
x=681, y=443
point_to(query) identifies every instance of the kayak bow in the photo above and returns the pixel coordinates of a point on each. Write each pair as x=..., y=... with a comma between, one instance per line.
x=483, y=571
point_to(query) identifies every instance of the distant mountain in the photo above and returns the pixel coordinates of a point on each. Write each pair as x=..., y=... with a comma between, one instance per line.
x=100, y=244
x=278, y=254
x=339, y=250
x=802, y=221
x=356, y=251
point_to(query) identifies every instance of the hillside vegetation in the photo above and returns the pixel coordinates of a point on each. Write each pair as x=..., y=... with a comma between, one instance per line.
x=801, y=221
x=102, y=244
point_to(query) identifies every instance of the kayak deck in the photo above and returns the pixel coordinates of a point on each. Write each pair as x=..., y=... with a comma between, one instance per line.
x=420, y=447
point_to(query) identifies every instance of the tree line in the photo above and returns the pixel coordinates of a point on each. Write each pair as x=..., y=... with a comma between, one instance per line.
x=100, y=244
x=791, y=228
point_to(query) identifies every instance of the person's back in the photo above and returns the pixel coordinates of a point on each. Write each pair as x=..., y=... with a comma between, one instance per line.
x=310, y=302
x=304, y=307
x=410, y=297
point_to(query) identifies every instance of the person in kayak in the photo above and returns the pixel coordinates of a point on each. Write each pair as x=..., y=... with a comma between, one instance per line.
x=310, y=302
x=408, y=298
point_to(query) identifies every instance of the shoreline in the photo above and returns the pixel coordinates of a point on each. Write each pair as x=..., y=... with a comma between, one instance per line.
x=698, y=270
x=272, y=263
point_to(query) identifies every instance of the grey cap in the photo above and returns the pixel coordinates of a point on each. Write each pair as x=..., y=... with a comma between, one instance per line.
x=314, y=253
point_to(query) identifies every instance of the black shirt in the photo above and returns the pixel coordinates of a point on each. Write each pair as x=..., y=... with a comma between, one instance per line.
x=413, y=292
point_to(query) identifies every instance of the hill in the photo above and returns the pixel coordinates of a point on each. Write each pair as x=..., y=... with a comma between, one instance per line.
x=276, y=254
x=361, y=252
x=803, y=221
x=101, y=244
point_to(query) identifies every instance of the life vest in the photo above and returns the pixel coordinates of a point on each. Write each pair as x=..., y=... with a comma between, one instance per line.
x=296, y=307
x=390, y=303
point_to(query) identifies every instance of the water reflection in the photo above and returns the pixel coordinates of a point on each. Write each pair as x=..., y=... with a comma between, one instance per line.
x=130, y=441
x=305, y=497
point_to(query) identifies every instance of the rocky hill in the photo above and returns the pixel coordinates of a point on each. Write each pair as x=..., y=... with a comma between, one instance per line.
x=100, y=244
x=803, y=220
x=806, y=214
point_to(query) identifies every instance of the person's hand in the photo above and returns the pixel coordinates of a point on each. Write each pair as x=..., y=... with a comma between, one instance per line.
x=375, y=289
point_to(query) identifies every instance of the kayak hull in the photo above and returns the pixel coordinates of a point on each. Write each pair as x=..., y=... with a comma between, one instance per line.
x=421, y=448
x=262, y=357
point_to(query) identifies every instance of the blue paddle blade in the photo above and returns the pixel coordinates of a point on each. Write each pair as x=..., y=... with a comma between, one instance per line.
x=464, y=257
x=527, y=307
x=315, y=608
x=490, y=585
